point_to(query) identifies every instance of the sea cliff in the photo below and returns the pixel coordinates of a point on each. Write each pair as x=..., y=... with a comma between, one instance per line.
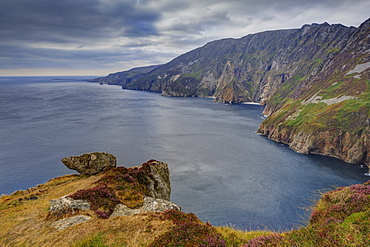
x=314, y=81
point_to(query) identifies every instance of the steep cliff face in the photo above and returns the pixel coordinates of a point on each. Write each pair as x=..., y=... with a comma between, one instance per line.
x=251, y=68
x=328, y=112
x=314, y=82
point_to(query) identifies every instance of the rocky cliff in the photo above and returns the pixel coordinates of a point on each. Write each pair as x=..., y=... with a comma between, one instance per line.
x=327, y=111
x=313, y=80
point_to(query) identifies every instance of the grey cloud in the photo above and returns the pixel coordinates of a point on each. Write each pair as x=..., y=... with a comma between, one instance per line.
x=104, y=33
x=22, y=57
x=63, y=20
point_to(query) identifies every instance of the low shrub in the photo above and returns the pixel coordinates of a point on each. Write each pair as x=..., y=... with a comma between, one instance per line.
x=340, y=218
x=188, y=231
x=101, y=198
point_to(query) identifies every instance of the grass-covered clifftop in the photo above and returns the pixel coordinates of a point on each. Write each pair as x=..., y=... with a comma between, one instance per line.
x=339, y=218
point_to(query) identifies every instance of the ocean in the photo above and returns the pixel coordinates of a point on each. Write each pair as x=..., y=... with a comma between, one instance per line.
x=221, y=170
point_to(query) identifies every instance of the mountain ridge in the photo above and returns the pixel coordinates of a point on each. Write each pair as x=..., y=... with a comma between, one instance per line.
x=309, y=78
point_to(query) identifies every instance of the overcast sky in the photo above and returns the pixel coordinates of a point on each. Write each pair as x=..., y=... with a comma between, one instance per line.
x=98, y=37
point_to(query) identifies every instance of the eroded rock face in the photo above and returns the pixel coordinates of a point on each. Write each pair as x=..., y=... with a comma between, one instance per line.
x=91, y=163
x=158, y=175
x=150, y=205
x=350, y=147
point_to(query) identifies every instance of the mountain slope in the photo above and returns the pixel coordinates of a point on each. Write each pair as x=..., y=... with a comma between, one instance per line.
x=314, y=82
x=328, y=114
x=247, y=69
x=125, y=77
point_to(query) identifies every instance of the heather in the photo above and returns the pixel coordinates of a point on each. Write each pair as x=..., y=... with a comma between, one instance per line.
x=188, y=230
x=101, y=198
x=117, y=185
x=340, y=218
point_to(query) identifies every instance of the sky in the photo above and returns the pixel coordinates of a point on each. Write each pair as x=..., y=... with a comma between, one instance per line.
x=98, y=37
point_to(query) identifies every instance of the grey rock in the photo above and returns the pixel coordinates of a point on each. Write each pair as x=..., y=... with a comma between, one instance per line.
x=64, y=223
x=150, y=205
x=158, y=205
x=91, y=163
x=158, y=175
x=67, y=202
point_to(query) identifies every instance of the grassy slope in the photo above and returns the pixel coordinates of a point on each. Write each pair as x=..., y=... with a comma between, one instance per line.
x=24, y=222
x=340, y=218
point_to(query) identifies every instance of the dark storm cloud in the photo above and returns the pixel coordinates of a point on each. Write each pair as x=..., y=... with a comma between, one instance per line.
x=68, y=20
x=118, y=33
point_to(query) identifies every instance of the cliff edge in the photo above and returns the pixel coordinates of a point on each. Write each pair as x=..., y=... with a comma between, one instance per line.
x=129, y=207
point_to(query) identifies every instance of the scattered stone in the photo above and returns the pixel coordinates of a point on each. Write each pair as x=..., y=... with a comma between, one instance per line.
x=67, y=202
x=64, y=223
x=158, y=205
x=150, y=205
x=91, y=163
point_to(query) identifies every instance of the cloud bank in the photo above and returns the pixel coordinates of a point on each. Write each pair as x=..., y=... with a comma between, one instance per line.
x=97, y=37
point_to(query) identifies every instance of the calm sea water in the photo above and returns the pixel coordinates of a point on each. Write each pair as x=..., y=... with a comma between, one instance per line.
x=221, y=170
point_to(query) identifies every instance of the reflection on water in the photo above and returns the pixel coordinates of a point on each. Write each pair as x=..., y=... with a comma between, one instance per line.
x=221, y=170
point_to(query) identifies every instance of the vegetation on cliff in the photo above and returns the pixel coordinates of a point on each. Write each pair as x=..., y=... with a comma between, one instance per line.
x=314, y=82
x=328, y=113
x=339, y=218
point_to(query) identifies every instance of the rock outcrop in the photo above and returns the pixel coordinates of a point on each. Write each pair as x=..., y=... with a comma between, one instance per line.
x=91, y=163
x=158, y=179
x=119, y=191
x=150, y=205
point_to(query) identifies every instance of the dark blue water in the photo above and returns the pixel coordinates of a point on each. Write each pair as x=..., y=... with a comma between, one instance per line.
x=221, y=170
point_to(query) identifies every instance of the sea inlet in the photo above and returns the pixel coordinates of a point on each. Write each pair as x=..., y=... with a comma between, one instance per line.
x=221, y=170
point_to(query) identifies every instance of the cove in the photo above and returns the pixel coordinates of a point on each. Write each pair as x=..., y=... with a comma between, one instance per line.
x=221, y=170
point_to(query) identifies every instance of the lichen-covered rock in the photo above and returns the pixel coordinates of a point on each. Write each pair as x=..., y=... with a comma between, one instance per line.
x=67, y=202
x=158, y=179
x=150, y=205
x=91, y=163
x=64, y=223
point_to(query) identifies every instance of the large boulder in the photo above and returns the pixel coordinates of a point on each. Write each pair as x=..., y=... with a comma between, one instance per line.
x=91, y=163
